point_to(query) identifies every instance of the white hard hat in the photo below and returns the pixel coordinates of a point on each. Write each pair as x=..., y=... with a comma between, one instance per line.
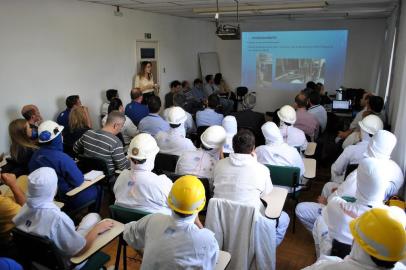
x=287, y=114
x=271, y=133
x=176, y=115
x=230, y=125
x=214, y=137
x=142, y=146
x=48, y=131
x=371, y=124
x=381, y=145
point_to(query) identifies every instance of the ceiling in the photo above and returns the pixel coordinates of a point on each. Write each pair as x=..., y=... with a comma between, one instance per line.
x=262, y=9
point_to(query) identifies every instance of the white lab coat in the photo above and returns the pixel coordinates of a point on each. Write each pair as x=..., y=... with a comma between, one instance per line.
x=255, y=246
x=174, y=142
x=189, y=124
x=199, y=162
x=171, y=242
x=294, y=136
x=321, y=115
x=128, y=131
x=142, y=189
x=230, y=126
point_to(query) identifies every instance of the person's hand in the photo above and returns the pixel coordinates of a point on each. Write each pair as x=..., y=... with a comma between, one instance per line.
x=343, y=134
x=104, y=226
x=9, y=179
x=322, y=200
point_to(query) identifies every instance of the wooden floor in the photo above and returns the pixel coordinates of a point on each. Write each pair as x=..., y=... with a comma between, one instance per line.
x=295, y=252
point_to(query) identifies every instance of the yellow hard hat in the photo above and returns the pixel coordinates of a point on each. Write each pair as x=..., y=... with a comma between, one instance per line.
x=381, y=233
x=187, y=195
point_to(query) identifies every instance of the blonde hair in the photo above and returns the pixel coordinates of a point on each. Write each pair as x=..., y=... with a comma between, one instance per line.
x=77, y=118
x=142, y=70
x=20, y=141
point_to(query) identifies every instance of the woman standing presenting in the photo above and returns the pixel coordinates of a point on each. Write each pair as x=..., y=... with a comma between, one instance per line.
x=145, y=81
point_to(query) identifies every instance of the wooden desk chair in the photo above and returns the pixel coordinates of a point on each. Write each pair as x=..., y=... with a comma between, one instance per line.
x=288, y=177
x=165, y=163
x=39, y=250
x=124, y=215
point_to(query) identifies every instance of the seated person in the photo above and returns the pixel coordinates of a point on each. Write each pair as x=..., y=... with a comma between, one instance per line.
x=21, y=149
x=139, y=187
x=174, y=141
x=324, y=99
x=305, y=120
x=9, y=207
x=201, y=162
x=353, y=154
x=230, y=126
x=291, y=135
x=209, y=87
x=228, y=99
x=77, y=127
x=176, y=87
x=241, y=178
x=153, y=122
x=179, y=100
x=104, y=144
x=173, y=241
x=209, y=117
x=33, y=116
x=129, y=130
x=276, y=151
x=317, y=110
x=72, y=102
x=135, y=110
x=9, y=264
x=379, y=242
x=51, y=155
x=40, y=216
x=198, y=92
x=110, y=95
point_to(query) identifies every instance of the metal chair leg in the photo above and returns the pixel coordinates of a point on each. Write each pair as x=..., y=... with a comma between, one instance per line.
x=124, y=255
x=117, y=264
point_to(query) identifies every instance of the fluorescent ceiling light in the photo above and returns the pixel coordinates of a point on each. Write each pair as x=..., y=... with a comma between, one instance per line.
x=264, y=12
x=259, y=8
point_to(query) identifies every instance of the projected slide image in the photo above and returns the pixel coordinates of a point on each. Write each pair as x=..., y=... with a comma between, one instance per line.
x=264, y=69
x=300, y=70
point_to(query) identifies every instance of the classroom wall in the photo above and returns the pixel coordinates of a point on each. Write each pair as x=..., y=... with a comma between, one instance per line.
x=365, y=42
x=50, y=49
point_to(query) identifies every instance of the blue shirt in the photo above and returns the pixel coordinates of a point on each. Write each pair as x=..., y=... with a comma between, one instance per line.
x=208, y=117
x=136, y=111
x=152, y=124
x=198, y=93
x=63, y=118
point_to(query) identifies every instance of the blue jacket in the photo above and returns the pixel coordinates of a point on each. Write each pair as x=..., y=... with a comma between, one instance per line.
x=136, y=111
x=63, y=118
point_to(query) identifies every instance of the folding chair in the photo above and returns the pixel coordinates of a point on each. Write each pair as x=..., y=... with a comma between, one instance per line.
x=124, y=215
x=40, y=252
x=287, y=176
x=165, y=163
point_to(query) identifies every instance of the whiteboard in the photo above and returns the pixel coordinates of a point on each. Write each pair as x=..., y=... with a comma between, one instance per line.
x=209, y=63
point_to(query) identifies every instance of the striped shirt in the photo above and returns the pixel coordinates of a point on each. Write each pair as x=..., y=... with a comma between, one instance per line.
x=104, y=145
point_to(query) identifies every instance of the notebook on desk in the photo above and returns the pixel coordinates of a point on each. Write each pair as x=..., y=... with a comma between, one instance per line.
x=93, y=174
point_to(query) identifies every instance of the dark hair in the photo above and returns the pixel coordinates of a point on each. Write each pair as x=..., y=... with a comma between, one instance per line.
x=196, y=81
x=381, y=263
x=114, y=105
x=311, y=85
x=71, y=101
x=243, y=142
x=217, y=78
x=375, y=103
x=307, y=91
x=184, y=83
x=135, y=93
x=208, y=78
x=111, y=93
x=314, y=97
x=154, y=104
x=174, y=125
x=142, y=69
x=175, y=84
x=301, y=100
x=179, y=99
x=28, y=114
x=213, y=101
x=138, y=161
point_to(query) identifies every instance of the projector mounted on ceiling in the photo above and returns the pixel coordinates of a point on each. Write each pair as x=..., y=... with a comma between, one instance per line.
x=227, y=31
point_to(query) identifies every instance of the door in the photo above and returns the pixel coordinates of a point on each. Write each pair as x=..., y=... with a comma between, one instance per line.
x=147, y=51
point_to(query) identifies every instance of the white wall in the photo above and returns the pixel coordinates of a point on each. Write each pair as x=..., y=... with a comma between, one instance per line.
x=50, y=49
x=365, y=42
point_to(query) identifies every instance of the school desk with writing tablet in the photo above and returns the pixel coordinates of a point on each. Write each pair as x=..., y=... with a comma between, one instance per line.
x=100, y=242
x=275, y=201
x=223, y=260
x=85, y=185
x=310, y=168
x=311, y=149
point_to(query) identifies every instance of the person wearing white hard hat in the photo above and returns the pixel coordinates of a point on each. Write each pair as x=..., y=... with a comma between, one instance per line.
x=241, y=178
x=379, y=242
x=291, y=135
x=331, y=230
x=40, y=216
x=230, y=126
x=174, y=140
x=139, y=187
x=201, y=162
x=51, y=155
x=276, y=151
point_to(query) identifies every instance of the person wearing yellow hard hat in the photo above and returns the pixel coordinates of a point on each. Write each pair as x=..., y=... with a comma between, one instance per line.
x=175, y=242
x=379, y=242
